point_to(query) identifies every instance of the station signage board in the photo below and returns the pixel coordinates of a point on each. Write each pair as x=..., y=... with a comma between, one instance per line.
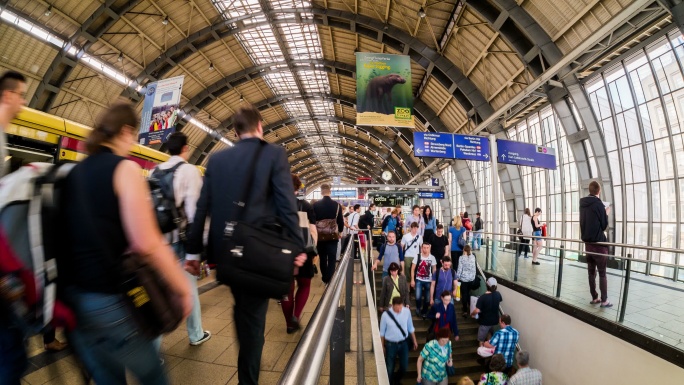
x=471, y=147
x=343, y=193
x=431, y=194
x=434, y=181
x=387, y=201
x=525, y=154
x=433, y=145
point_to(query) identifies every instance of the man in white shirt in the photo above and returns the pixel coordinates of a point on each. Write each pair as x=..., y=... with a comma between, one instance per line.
x=187, y=184
x=354, y=228
x=411, y=242
x=422, y=270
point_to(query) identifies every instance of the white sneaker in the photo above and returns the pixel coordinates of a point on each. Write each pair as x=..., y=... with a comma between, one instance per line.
x=205, y=338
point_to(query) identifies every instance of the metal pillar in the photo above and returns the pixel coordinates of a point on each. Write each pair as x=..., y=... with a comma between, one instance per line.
x=495, y=195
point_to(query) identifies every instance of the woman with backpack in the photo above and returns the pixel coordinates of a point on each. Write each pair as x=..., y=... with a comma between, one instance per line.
x=526, y=231
x=466, y=275
x=457, y=240
x=107, y=213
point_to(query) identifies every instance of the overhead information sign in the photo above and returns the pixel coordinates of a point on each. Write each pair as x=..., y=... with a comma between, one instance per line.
x=431, y=194
x=343, y=193
x=525, y=154
x=471, y=147
x=433, y=145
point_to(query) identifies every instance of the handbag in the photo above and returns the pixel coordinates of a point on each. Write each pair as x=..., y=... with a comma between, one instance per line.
x=258, y=255
x=155, y=308
x=327, y=228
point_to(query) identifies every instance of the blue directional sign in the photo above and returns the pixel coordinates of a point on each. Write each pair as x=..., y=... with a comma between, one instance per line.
x=434, y=181
x=431, y=194
x=525, y=154
x=433, y=145
x=343, y=193
x=471, y=147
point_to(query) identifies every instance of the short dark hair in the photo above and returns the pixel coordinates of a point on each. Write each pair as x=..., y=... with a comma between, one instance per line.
x=9, y=81
x=357, y=206
x=397, y=301
x=296, y=182
x=505, y=318
x=414, y=224
x=440, y=226
x=537, y=210
x=498, y=363
x=477, y=213
x=594, y=187
x=246, y=119
x=445, y=293
x=371, y=205
x=446, y=258
x=393, y=266
x=176, y=142
x=465, y=214
x=415, y=207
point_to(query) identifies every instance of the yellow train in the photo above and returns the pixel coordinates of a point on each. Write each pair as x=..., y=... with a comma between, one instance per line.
x=36, y=136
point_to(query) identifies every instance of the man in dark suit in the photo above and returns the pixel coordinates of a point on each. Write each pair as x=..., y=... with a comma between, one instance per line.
x=271, y=195
x=326, y=208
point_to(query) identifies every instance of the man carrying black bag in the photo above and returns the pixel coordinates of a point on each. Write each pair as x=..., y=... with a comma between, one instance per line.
x=246, y=186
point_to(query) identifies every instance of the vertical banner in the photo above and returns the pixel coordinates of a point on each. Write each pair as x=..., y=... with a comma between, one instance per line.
x=160, y=110
x=384, y=95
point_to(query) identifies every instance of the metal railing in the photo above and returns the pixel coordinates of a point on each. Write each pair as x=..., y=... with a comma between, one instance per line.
x=330, y=326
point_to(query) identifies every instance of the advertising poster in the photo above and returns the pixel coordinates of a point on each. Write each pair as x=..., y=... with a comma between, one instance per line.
x=160, y=110
x=383, y=90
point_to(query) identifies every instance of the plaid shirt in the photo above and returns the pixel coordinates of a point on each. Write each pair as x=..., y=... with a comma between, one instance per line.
x=505, y=341
x=526, y=376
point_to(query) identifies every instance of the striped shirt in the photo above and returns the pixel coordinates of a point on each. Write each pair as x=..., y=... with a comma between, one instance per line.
x=526, y=376
x=434, y=361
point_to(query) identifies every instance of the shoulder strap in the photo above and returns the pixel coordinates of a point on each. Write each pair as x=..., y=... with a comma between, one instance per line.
x=395, y=285
x=403, y=333
x=244, y=201
x=414, y=241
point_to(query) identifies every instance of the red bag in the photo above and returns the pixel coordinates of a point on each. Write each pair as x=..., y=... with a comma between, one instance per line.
x=362, y=240
x=543, y=230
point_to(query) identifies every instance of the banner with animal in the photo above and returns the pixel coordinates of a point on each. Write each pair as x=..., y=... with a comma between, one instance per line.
x=160, y=110
x=384, y=95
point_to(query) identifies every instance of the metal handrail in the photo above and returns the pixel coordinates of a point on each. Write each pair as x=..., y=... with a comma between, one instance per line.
x=622, y=245
x=380, y=366
x=304, y=367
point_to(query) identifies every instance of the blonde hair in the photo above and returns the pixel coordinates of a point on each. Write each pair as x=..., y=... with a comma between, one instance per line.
x=458, y=223
x=465, y=381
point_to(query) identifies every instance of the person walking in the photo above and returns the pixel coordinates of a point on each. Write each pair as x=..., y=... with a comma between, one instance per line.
x=330, y=223
x=443, y=315
x=390, y=224
x=293, y=304
x=430, y=223
x=397, y=333
x=538, y=242
x=444, y=279
x=187, y=184
x=108, y=212
x=527, y=230
x=415, y=217
x=434, y=358
x=593, y=224
x=411, y=242
x=439, y=245
x=221, y=200
x=12, y=348
x=488, y=309
x=422, y=270
x=478, y=229
x=393, y=286
x=392, y=252
x=468, y=224
x=466, y=275
x=354, y=218
x=456, y=233
x=525, y=375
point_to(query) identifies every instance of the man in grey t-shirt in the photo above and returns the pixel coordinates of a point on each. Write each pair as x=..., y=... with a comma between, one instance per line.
x=392, y=253
x=12, y=99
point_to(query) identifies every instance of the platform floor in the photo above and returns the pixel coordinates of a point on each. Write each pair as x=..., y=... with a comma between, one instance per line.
x=214, y=362
x=654, y=304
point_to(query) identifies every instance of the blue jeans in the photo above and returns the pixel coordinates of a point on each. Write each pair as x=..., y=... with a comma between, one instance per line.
x=107, y=340
x=13, y=361
x=477, y=239
x=194, y=321
x=422, y=296
x=396, y=350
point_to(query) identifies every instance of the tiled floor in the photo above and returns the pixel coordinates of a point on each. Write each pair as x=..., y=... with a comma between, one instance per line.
x=655, y=306
x=214, y=362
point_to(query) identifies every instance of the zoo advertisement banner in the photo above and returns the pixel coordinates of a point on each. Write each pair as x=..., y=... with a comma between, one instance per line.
x=160, y=110
x=384, y=94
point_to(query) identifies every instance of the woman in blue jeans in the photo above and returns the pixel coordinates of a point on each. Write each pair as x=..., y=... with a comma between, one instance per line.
x=108, y=213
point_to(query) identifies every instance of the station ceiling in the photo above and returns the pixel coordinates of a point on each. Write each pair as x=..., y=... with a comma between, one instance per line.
x=295, y=61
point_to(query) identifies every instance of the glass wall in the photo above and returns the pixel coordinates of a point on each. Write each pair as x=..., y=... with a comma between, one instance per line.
x=453, y=194
x=639, y=102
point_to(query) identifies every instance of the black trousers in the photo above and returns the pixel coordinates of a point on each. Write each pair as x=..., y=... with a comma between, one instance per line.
x=327, y=252
x=250, y=322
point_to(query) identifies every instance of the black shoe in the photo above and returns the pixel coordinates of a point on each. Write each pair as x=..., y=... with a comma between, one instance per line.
x=536, y=263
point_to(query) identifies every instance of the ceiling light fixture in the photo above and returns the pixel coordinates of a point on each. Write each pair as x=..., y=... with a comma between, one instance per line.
x=165, y=21
x=48, y=12
x=211, y=66
x=120, y=58
x=421, y=13
x=243, y=99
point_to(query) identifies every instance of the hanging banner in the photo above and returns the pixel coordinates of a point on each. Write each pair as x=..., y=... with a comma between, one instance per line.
x=160, y=110
x=384, y=95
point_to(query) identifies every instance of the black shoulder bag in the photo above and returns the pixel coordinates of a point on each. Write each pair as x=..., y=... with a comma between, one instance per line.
x=258, y=256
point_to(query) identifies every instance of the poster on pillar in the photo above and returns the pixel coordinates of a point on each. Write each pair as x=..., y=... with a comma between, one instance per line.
x=384, y=94
x=160, y=110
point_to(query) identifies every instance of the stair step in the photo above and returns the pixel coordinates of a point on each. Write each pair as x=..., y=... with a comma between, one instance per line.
x=452, y=380
x=462, y=368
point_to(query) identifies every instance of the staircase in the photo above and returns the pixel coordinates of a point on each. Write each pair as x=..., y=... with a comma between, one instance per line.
x=464, y=350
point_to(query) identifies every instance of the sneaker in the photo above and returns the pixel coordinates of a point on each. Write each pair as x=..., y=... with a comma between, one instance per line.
x=56, y=346
x=606, y=304
x=205, y=338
